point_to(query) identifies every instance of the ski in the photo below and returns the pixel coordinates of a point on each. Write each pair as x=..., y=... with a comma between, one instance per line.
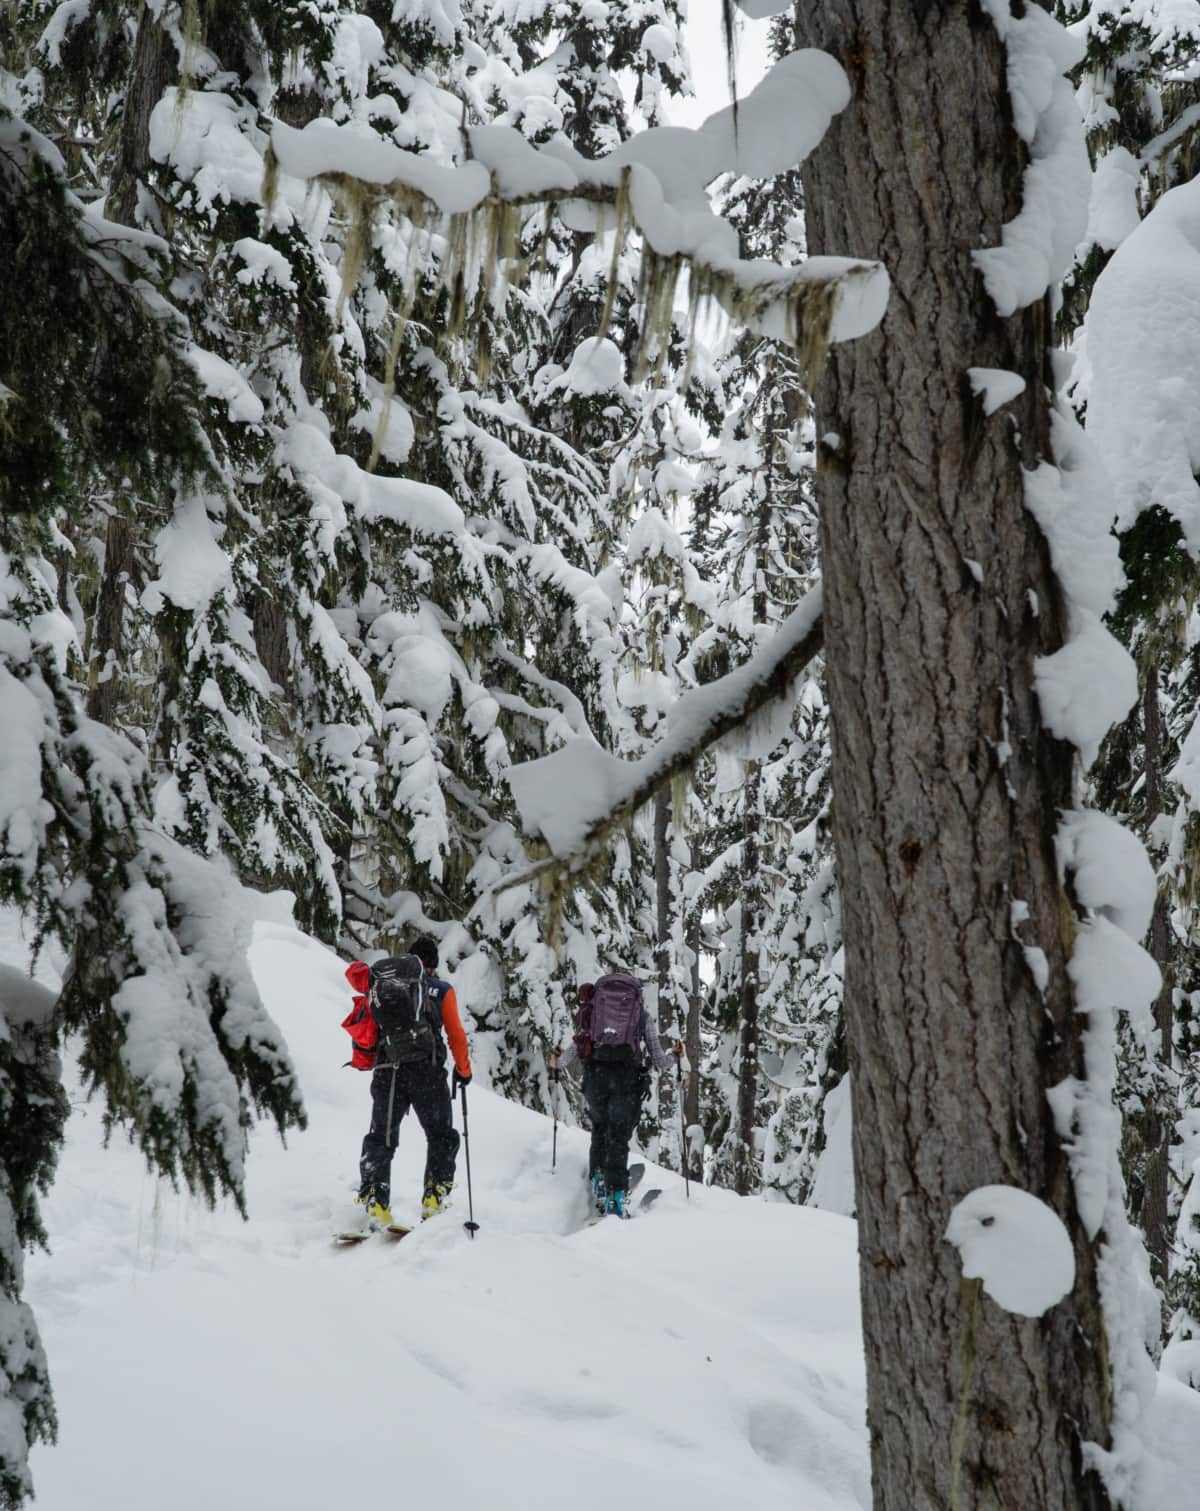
x=353, y=1237
x=632, y=1211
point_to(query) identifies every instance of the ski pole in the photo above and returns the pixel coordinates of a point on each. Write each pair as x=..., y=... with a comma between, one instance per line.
x=471, y=1225
x=683, y=1148
x=554, y=1109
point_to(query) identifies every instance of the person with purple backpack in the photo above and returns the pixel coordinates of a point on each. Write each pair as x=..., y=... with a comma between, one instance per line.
x=615, y=1037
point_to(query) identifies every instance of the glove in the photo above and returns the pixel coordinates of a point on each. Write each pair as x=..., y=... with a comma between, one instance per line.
x=457, y=1080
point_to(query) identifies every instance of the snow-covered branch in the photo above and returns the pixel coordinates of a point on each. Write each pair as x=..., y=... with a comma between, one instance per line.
x=654, y=183
x=576, y=795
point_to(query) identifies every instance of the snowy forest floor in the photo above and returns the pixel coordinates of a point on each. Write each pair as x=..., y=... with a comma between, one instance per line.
x=707, y=1356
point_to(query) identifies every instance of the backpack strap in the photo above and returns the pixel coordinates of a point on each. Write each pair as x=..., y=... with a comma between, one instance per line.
x=435, y=994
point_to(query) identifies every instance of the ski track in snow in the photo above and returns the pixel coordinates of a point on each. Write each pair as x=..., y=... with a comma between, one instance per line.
x=706, y=1357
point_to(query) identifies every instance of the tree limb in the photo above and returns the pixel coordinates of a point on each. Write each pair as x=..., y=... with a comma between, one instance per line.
x=697, y=721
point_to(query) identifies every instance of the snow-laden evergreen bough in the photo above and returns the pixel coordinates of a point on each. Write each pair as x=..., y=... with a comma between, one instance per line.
x=1138, y=96
x=169, y=1024
x=1144, y=307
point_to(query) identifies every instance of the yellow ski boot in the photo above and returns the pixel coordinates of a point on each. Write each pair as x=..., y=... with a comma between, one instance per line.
x=377, y=1214
x=434, y=1200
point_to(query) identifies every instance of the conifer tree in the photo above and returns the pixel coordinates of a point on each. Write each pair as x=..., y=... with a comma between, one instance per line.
x=99, y=399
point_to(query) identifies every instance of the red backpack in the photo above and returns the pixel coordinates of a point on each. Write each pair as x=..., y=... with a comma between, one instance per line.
x=360, y=1025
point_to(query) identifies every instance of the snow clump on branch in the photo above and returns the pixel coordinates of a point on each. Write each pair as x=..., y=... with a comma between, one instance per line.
x=1038, y=245
x=1016, y=1245
x=1143, y=344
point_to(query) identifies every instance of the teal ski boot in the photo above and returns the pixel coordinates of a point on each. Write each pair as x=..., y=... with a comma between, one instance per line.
x=615, y=1204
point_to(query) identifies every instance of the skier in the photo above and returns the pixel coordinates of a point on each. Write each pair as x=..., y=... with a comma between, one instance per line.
x=417, y=1081
x=614, y=1036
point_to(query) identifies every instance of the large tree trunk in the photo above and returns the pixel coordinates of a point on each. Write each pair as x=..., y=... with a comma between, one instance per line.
x=952, y=1047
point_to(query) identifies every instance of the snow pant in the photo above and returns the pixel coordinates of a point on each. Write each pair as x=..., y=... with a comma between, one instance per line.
x=424, y=1088
x=614, y=1098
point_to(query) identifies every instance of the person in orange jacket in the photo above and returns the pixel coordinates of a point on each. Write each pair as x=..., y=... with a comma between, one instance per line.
x=419, y=1084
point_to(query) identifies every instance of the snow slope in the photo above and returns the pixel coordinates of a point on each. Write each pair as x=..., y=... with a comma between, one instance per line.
x=708, y=1356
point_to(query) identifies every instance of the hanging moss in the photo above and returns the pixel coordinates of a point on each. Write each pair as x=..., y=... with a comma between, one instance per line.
x=192, y=26
x=808, y=309
x=682, y=786
x=270, y=183
x=482, y=253
x=420, y=242
x=458, y=253
x=504, y=221
x=693, y=315
x=484, y=354
x=399, y=322
x=413, y=206
x=660, y=278
x=969, y=1291
x=358, y=203
x=624, y=220
x=810, y=319
x=543, y=256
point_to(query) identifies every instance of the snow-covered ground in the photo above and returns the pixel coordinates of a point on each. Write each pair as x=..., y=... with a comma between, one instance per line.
x=707, y=1356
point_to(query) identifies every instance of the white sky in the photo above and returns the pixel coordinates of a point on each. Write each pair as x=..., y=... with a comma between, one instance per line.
x=706, y=44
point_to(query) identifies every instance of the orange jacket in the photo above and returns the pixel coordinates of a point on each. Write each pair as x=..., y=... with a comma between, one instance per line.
x=362, y=1028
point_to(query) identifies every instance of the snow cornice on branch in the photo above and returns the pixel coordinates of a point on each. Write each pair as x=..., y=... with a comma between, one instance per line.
x=578, y=795
x=654, y=183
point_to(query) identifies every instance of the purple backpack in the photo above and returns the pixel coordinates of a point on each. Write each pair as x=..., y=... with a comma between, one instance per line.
x=616, y=1020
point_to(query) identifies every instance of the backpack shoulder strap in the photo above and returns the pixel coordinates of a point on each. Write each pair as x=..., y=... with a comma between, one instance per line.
x=435, y=992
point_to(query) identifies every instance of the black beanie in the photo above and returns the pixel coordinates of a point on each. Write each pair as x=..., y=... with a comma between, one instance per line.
x=426, y=951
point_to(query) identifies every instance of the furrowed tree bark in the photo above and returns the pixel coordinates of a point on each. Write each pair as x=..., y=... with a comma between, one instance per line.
x=952, y=1047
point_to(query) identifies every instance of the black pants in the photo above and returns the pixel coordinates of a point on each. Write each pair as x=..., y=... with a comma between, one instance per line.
x=424, y=1088
x=614, y=1099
